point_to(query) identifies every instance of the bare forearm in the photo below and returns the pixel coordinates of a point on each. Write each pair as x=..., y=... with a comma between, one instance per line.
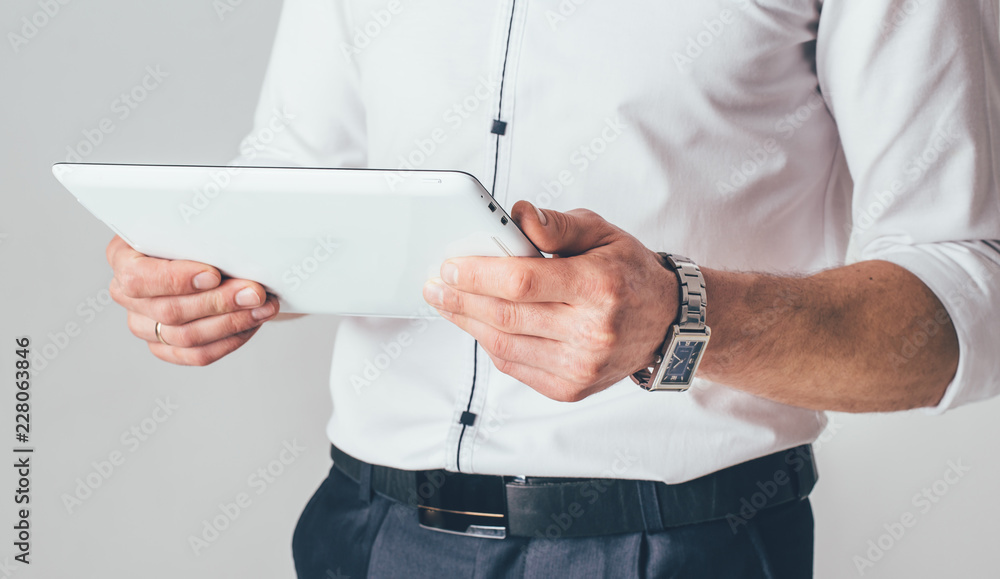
x=570, y=327
x=861, y=338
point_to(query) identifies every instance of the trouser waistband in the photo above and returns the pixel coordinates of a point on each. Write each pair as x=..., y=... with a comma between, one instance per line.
x=499, y=506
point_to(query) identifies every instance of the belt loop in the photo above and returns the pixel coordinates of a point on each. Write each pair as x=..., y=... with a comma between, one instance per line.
x=805, y=475
x=793, y=455
x=649, y=505
x=365, y=483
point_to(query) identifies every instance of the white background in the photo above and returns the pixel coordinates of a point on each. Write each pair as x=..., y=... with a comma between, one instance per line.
x=233, y=417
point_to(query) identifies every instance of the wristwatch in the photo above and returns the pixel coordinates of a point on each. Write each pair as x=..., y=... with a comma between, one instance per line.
x=681, y=351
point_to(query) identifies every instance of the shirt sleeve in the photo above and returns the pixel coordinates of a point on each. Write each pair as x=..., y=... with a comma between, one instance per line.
x=914, y=87
x=310, y=112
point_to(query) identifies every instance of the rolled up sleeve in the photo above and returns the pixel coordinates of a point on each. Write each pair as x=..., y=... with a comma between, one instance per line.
x=914, y=87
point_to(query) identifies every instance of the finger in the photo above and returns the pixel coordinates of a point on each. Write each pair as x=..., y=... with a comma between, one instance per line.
x=232, y=295
x=519, y=279
x=563, y=233
x=202, y=355
x=141, y=276
x=542, y=319
x=203, y=331
x=545, y=383
x=549, y=355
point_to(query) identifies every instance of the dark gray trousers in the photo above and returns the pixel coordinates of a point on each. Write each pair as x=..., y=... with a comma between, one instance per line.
x=349, y=532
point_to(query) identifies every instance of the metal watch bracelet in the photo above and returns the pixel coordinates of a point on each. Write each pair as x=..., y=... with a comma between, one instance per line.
x=680, y=353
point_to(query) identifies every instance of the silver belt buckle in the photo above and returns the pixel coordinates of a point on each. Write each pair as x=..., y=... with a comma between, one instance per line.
x=462, y=504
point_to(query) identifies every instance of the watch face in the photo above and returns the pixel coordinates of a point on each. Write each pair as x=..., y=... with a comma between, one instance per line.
x=683, y=361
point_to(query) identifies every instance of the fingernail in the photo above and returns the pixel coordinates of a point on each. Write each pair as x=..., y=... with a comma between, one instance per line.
x=264, y=311
x=247, y=297
x=449, y=273
x=205, y=280
x=541, y=216
x=434, y=293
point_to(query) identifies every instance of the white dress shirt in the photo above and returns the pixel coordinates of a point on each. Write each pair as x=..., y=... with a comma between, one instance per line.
x=786, y=136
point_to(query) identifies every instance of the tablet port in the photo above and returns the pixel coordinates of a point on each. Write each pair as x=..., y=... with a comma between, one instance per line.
x=503, y=221
x=492, y=206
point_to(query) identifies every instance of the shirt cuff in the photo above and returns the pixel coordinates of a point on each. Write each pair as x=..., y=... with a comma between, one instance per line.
x=963, y=276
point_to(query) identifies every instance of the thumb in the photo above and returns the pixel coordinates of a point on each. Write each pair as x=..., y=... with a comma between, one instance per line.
x=563, y=233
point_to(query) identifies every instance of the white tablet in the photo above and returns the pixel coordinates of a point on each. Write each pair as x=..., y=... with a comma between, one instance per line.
x=341, y=241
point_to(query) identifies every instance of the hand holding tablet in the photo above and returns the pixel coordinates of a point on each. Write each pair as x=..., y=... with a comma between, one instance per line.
x=183, y=309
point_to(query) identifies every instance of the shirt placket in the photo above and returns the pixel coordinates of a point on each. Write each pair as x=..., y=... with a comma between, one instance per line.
x=506, y=50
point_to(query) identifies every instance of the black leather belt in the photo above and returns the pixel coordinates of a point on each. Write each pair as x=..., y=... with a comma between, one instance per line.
x=543, y=507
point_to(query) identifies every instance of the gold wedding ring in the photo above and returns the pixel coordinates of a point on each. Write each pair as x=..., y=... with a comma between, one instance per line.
x=159, y=336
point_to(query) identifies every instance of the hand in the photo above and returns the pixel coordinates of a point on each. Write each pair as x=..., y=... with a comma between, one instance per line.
x=569, y=326
x=202, y=317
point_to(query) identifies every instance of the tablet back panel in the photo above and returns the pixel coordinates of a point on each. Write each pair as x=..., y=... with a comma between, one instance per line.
x=338, y=241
